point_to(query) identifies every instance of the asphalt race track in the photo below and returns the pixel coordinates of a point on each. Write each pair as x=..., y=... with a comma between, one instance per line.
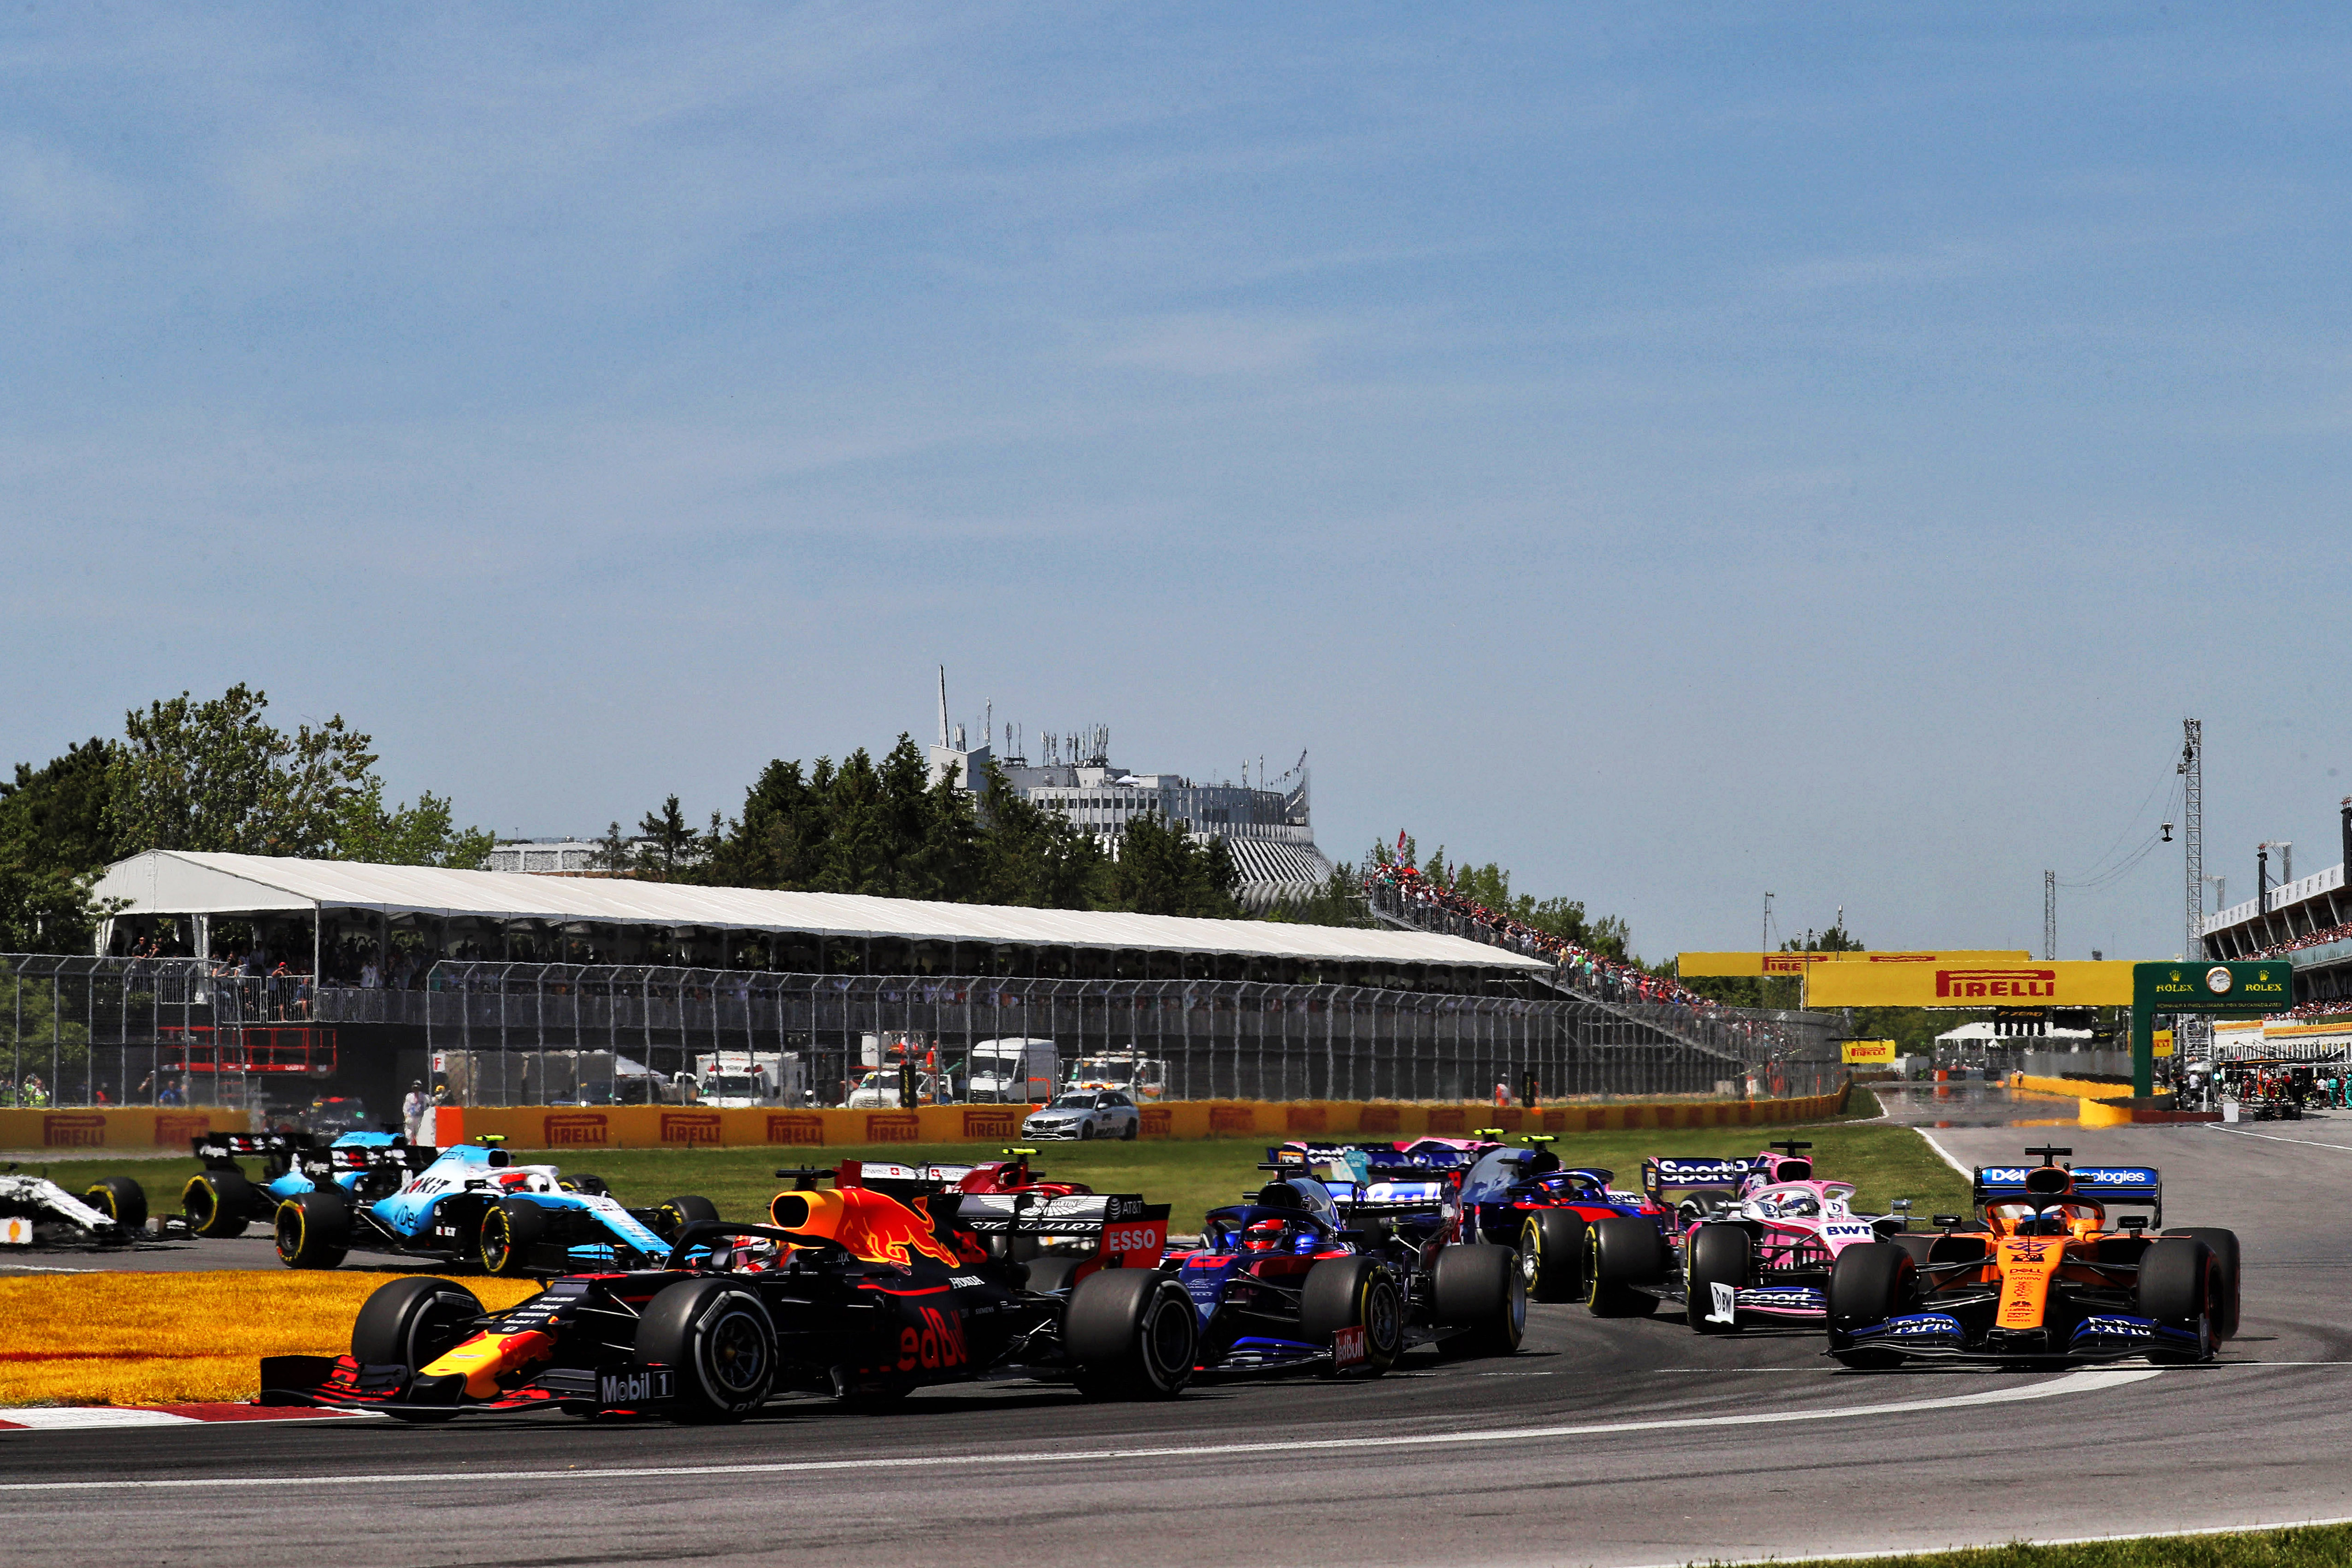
x=1604, y=1442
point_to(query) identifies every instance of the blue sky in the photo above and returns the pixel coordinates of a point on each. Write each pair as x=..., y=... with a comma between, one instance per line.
x=1823, y=449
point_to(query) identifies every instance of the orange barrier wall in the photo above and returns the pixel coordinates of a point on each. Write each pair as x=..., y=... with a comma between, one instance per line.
x=137, y=1128
x=688, y=1127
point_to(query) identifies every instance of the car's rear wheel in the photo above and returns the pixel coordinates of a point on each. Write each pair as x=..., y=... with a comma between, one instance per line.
x=1354, y=1292
x=313, y=1230
x=2223, y=1244
x=1870, y=1282
x=1620, y=1252
x=1479, y=1287
x=119, y=1199
x=1551, y=1255
x=2180, y=1288
x=680, y=1212
x=218, y=1204
x=721, y=1344
x=1131, y=1333
x=1719, y=1261
x=509, y=1241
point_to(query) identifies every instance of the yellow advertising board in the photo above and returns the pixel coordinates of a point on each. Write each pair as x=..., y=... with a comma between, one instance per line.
x=1873, y=1053
x=1955, y=980
x=2164, y=1042
x=1730, y=965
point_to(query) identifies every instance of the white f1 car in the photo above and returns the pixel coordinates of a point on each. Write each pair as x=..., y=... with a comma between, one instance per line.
x=37, y=1212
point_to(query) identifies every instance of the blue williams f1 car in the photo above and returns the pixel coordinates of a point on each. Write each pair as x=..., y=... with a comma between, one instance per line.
x=2042, y=1276
x=466, y=1204
x=1346, y=1275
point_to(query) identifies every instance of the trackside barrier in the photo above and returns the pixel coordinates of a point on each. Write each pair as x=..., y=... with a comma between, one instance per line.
x=687, y=1127
x=134, y=1128
x=2098, y=1104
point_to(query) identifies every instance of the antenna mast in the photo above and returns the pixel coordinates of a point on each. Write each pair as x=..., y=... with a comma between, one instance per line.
x=2049, y=917
x=943, y=707
x=2193, y=829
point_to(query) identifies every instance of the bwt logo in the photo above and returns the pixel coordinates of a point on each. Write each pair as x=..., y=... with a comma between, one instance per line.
x=73, y=1131
x=574, y=1132
x=690, y=1126
x=1996, y=983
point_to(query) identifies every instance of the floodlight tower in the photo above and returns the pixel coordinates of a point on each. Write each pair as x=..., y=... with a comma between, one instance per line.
x=2193, y=829
x=2049, y=916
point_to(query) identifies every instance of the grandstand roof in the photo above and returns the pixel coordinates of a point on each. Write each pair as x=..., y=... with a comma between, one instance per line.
x=184, y=882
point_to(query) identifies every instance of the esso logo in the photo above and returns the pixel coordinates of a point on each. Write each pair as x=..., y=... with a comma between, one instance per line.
x=1130, y=1238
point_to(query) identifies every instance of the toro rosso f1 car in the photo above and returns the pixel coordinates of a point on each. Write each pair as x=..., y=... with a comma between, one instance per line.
x=863, y=1292
x=2040, y=1275
x=1346, y=1277
x=470, y=1202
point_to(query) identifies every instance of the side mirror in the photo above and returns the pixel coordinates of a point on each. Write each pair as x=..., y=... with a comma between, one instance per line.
x=1946, y=1221
x=1900, y=1205
x=2136, y=1224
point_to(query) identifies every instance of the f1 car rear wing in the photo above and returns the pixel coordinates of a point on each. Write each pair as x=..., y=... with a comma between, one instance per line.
x=1120, y=1225
x=2136, y=1185
x=1373, y=1180
x=1672, y=1173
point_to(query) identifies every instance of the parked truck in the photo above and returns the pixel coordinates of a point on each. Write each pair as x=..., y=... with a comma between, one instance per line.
x=1012, y=1071
x=735, y=1078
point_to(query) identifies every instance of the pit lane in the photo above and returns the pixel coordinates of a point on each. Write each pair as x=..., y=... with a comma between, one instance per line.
x=1604, y=1442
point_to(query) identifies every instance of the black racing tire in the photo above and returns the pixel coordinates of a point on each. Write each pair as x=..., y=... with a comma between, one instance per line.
x=587, y=1186
x=313, y=1230
x=507, y=1243
x=119, y=1199
x=1551, y=1255
x=1354, y=1292
x=1714, y=1254
x=1479, y=1287
x=718, y=1339
x=219, y=1204
x=2224, y=1246
x=1919, y=1248
x=1870, y=1282
x=1131, y=1333
x=680, y=1212
x=414, y=1322
x=2181, y=1287
x=1622, y=1251
x=1049, y=1275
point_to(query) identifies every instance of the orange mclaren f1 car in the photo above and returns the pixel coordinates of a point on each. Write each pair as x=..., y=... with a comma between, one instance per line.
x=2039, y=1276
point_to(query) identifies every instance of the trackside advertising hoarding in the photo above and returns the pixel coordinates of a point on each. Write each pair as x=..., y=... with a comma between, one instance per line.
x=1952, y=982
x=1734, y=965
x=1871, y=1053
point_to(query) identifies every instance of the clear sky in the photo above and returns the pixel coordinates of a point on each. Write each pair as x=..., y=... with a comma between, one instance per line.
x=1823, y=449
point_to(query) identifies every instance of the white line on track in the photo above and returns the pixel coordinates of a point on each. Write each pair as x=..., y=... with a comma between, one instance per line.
x=2073, y=1382
x=1945, y=1155
x=2274, y=1138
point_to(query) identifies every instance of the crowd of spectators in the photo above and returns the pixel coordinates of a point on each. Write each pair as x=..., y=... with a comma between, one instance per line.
x=2309, y=939
x=1613, y=979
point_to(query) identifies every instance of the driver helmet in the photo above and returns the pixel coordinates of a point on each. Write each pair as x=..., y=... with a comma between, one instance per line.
x=746, y=1254
x=1263, y=1236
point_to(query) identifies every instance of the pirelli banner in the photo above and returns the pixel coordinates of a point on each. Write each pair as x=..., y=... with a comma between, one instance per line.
x=1954, y=980
x=1868, y=1053
x=1735, y=965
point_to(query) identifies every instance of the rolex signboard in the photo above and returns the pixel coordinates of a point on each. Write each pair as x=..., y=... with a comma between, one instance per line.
x=2257, y=986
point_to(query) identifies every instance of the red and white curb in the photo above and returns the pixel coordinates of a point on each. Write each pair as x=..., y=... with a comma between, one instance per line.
x=82, y=1417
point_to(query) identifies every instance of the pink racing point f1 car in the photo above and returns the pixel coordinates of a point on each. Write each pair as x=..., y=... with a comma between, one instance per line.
x=1749, y=1240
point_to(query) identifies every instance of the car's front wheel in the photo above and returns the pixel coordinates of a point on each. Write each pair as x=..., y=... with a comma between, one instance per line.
x=1551, y=1255
x=1354, y=1292
x=720, y=1341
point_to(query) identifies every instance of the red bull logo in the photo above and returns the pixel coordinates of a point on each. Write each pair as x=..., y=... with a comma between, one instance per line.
x=937, y=1344
x=866, y=1223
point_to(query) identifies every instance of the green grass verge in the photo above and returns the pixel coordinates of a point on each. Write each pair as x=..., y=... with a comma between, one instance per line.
x=1885, y=1161
x=2321, y=1546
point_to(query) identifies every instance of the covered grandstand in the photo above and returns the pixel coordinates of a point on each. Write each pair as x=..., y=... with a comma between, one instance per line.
x=353, y=923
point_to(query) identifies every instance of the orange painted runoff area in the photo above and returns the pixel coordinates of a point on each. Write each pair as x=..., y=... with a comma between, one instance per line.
x=667, y=1127
x=131, y=1128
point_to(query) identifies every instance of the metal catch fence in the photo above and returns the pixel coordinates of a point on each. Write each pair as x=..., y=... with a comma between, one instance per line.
x=1207, y=1039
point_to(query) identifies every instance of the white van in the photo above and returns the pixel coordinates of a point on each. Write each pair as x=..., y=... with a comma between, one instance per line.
x=1015, y=1071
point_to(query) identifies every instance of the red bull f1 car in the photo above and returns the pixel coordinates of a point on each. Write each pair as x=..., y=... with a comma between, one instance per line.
x=865, y=1291
x=2041, y=1275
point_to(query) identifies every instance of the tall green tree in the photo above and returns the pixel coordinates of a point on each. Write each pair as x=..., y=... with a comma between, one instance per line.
x=670, y=842
x=1160, y=871
x=217, y=775
x=54, y=839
